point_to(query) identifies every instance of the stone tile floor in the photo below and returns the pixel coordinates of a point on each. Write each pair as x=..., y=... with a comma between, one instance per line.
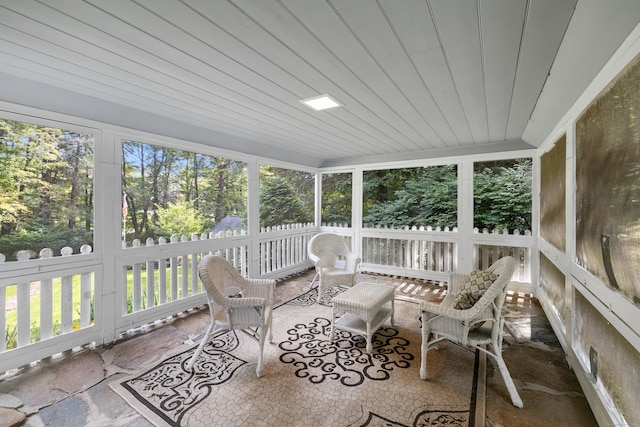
x=72, y=389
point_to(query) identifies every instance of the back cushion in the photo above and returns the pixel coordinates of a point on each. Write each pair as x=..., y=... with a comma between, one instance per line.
x=474, y=286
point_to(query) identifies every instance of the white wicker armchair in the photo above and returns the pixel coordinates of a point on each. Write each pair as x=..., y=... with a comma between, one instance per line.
x=324, y=249
x=479, y=326
x=247, y=303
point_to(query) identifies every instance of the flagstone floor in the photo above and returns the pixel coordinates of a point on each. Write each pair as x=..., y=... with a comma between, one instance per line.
x=73, y=389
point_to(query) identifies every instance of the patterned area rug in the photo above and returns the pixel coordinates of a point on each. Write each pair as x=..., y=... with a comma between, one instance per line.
x=307, y=380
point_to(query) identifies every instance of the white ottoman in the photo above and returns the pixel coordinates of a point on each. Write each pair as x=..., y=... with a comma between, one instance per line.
x=365, y=311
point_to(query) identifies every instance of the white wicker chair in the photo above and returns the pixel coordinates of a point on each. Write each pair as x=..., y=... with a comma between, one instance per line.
x=247, y=303
x=479, y=327
x=324, y=249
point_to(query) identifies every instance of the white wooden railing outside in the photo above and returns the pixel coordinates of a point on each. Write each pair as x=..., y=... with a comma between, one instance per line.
x=60, y=288
x=159, y=279
x=283, y=250
x=421, y=252
x=491, y=245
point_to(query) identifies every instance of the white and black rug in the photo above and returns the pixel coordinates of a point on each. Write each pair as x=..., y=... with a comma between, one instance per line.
x=307, y=380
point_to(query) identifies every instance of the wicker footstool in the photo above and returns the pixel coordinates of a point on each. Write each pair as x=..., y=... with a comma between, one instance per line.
x=364, y=309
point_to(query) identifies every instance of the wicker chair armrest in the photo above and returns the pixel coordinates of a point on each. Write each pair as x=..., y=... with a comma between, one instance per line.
x=263, y=288
x=261, y=282
x=245, y=302
x=433, y=309
x=456, y=281
x=352, y=262
x=315, y=259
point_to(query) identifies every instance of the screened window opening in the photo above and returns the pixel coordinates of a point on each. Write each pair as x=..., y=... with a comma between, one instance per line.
x=168, y=192
x=286, y=197
x=336, y=199
x=411, y=197
x=502, y=195
x=46, y=190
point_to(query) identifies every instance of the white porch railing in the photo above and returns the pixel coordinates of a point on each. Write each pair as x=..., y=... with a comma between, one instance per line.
x=431, y=252
x=283, y=250
x=158, y=279
x=489, y=246
x=413, y=252
x=46, y=306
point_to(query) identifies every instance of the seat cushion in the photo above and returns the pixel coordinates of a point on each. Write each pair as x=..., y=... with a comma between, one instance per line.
x=475, y=284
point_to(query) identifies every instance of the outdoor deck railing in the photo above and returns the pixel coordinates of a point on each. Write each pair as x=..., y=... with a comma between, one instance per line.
x=52, y=304
x=421, y=252
x=491, y=245
x=283, y=249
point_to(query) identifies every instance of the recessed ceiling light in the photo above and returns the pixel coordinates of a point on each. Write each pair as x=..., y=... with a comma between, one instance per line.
x=321, y=102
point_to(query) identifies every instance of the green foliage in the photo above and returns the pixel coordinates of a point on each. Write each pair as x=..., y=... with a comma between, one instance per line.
x=421, y=197
x=336, y=198
x=226, y=192
x=46, y=186
x=37, y=239
x=428, y=196
x=153, y=177
x=180, y=218
x=286, y=197
x=502, y=195
x=46, y=192
x=11, y=336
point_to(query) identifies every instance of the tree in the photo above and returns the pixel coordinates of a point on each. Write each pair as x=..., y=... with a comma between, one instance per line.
x=428, y=196
x=279, y=203
x=46, y=187
x=422, y=197
x=155, y=177
x=336, y=198
x=180, y=218
x=136, y=183
x=502, y=195
x=286, y=196
x=225, y=192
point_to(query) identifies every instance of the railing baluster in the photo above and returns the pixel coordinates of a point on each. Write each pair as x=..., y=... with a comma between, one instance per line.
x=24, y=321
x=204, y=236
x=162, y=275
x=185, y=270
x=46, y=301
x=150, y=268
x=195, y=289
x=3, y=317
x=23, y=297
x=124, y=279
x=86, y=296
x=66, y=309
x=66, y=303
x=174, y=272
x=137, y=281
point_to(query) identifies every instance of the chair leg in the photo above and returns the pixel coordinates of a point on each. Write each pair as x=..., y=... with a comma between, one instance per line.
x=261, y=343
x=314, y=280
x=426, y=331
x=269, y=324
x=320, y=290
x=203, y=342
x=333, y=324
x=513, y=391
x=506, y=376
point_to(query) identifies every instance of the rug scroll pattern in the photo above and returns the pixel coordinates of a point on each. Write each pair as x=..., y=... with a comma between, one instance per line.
x=338, y=375
x=169, y=390
x=345, y=360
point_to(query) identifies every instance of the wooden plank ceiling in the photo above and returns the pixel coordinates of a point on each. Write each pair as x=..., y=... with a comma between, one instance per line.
x=415, y=76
